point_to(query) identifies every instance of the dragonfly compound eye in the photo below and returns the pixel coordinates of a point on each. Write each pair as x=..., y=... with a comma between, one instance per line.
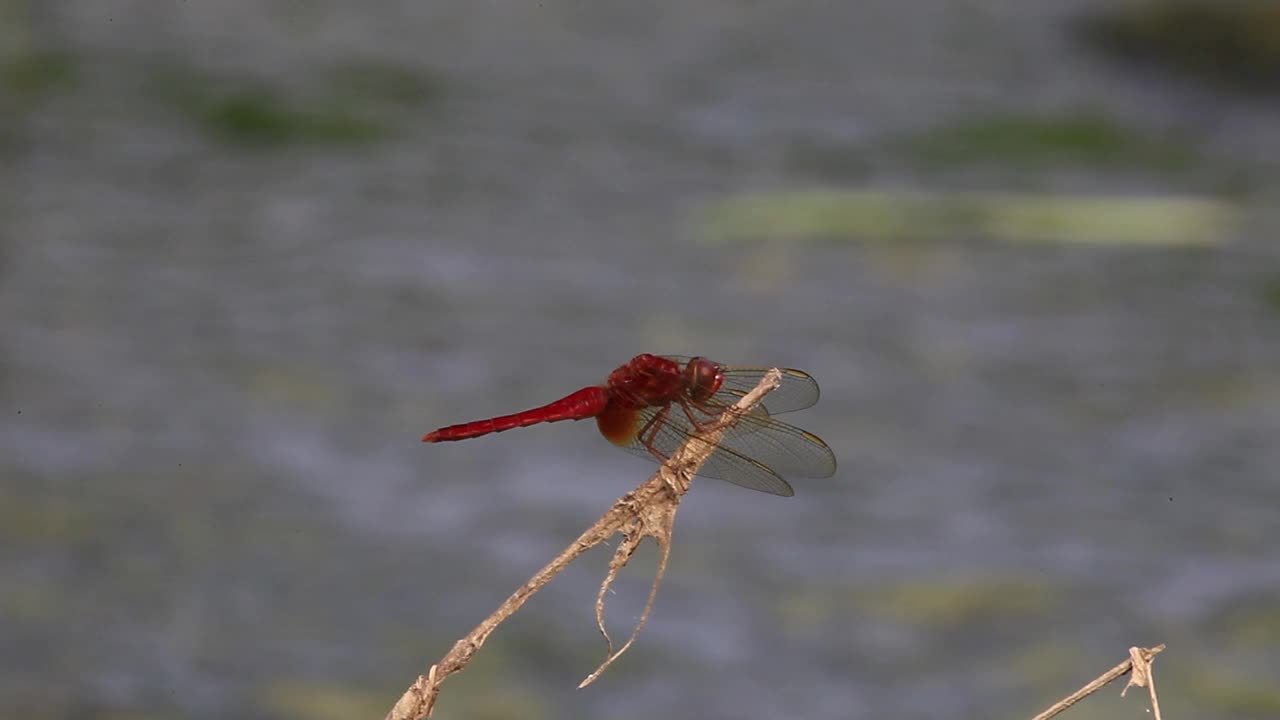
x=703, y=378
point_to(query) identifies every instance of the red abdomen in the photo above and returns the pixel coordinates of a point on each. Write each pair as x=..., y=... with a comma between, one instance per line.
x=585, y=403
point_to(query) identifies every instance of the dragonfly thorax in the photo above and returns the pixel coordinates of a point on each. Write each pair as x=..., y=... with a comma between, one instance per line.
x=647, y=380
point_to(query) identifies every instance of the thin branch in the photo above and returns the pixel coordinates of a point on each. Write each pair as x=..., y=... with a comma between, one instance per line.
x=647, y=511
x=1139, y=663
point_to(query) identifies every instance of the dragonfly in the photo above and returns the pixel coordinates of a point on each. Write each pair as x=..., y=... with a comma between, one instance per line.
x=653, y=404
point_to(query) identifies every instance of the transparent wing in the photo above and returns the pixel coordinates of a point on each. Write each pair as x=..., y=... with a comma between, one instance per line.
x=754, y=454
x=797, y=391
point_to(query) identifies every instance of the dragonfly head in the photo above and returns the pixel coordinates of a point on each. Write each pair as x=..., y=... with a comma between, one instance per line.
x=703, y=378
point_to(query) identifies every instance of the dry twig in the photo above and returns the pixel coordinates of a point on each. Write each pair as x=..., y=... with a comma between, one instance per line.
x=647, y=511
x=1139, y=663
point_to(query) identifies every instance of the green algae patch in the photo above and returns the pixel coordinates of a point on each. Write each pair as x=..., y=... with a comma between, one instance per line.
x=28, y=77
x=1150, y=221
x=32, y=74
x=1271, y=292
x=346, y=104
x=1079, y=139
x=256, y=116
x=958, y=602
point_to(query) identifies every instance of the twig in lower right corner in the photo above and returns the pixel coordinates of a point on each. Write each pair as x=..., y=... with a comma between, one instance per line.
x=1139, y=663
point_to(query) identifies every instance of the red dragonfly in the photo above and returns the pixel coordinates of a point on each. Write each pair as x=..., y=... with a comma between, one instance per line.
x=652, y=404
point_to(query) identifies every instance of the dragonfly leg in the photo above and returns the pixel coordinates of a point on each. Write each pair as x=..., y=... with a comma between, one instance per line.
x=700, y=426
x=651, y=428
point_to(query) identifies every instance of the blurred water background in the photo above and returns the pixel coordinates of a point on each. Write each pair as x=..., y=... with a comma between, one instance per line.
x=251, y=251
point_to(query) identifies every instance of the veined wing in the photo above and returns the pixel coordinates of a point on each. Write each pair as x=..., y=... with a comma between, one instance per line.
x=754, y=453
